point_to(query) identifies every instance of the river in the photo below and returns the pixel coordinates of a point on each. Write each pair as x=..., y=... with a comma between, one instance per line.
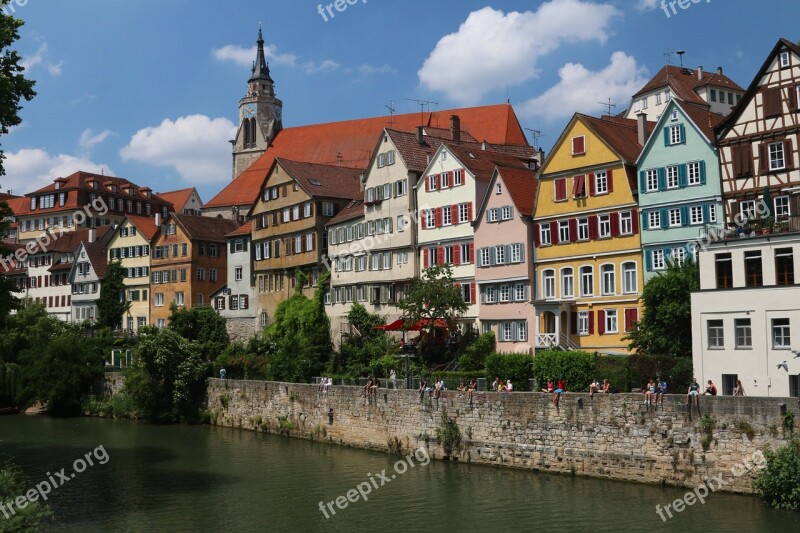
x=201, y=478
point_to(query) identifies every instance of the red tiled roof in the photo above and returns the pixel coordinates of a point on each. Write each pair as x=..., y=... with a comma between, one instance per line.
x=416, y=156
x=243, y=230
x=5, y=197
x=79, y=182
x=17, y=204
x=146, y=225
x=704, y=119
x=96, y=252
x=482, y=163
x=621, y=134
x=178, y=198
x=205, y=228
x=521, y=185
x=325, y=181
x=351, y=143
x=684, y=83
x=354, y=209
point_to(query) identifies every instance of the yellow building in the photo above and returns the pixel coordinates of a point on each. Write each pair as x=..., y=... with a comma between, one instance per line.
x=589, y=273
x=131, y=246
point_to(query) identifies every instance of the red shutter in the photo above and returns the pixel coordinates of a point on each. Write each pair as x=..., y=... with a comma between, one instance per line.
x=423, y=219
x=590, y=177
x=50, y=301
x=472, y=293
x=440, y=255
x=788, y=154
x=472, y=254
x=763, y=165
x=536, y=235
x=457, y=254
x=47, y=281
x=554, y=232
x=451, y=178
x=454, y=212
x=469, y=212
x=610, y=176
x=593, y=227
x=631, y=316
x=69, y=299
x=591, y=322
x=573, y=230
x=561, y=189
x=427, y=184
x=438, y=217
x=635, y=221
x=573, y=319
x=424, y=258
x=615, y=224
x=601, y=322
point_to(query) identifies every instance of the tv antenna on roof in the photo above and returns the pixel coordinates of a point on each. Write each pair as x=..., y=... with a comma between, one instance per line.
x=536, y=135
x=422, y=104
x=609, y=105
x=392, y=109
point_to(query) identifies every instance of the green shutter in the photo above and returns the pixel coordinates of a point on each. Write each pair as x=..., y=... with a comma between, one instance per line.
x=683, y=180
x=662, y=179
x=702, y=172
x=664, y=219
x=666, y=136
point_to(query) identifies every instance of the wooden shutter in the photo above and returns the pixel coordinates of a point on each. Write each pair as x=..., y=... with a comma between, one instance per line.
x=772, y=102
x=554, y=236
x=593, y=231
x=591, y=179
x=614, y=220
x=457, y=254
x=573, y=230
x=642, y=181
x=591, y=322
x=763, y=162
x=788, y=154
x=573, y=322
x=635, y=221
x=245, y=302
x=425, y=261
x=469, y=212
x=438, y=217
x=793, y=97
x=601, y=322
x=454, y=214
x=561, y=189
x=537, y=228
x=472, y=252
x=423, y=219
x=610, y=176
x=472, y=292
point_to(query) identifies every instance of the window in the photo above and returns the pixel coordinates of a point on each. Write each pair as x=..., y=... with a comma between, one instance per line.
x=506, y=213
x=179, y=301
x=567, y=283
x=507, y=333
x=776, y=159
x=629, y=278
x=463, y=213
x=747, y=209
x=159, y=299
x=583, y=229
x=490, y=295
x=486, y=257
x=432, y=180
x=784, y=59
x=544, y=234
x=716, y=334
x=713, y=95
x=401, y=188
x=212, y=274
x=327, y=209
x=201, y=274
x=563, y=231
x=754, y=276
x=781, y=334
x=694, y=173
x=696, y=214
x=430, y=218
x=466, y=292
x=465, y=253
x=724, y=271
x=505, y=293
x=626, y=223
x=500, y=255
x=654, y=219
x=672, y=177
x=458, y=177
x=522, y=331
x=579, y=145
x=730, y=98
x=784, y=266
x=712, y=213
x=561, y=189
x=492, y=215
x=782, y=209
x=657, y=259
x=583, y=322
x=516, y=253
x=579, y=186
x=658, y=99
x=601, y=182
x=549, y=284
x=612, y=322
x=674, y=217
x=238, y=273
x=679, y=255
x=520, y=292
x=587, y=281
x=498, y=188
x=744, y=334
x=447, y=216
x=675, y=134
x=604, y=226
x=608, y=279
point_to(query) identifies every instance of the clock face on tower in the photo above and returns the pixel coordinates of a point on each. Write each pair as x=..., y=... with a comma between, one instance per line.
x=249, y=111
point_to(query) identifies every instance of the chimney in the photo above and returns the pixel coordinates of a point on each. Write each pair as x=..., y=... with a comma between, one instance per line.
x=158, y=220
x=362, y=179
x=700, y=73
x=719, y=71
x=419, y=135
x=455, y=127
x=92, y=235
x=641, y=121
x=540, y=156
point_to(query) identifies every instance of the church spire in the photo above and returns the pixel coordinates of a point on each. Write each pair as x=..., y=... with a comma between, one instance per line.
x=260, y=68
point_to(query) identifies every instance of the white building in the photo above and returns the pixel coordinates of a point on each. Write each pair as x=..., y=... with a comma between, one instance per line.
x=233, y=300
x=746, y=316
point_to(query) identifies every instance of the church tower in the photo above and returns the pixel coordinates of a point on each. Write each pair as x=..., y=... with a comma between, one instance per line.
x=259, y=115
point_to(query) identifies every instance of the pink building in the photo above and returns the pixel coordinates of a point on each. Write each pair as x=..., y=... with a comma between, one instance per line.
x=504, y=258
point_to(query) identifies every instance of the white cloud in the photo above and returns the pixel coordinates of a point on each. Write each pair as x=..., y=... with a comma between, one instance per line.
x=327, y=65
x=369, y=69
x=493, y=49
x=40, y=58
x=32, y=168
x=196, y=146
x=89, y=140
x=583, y=90
x=646, y=5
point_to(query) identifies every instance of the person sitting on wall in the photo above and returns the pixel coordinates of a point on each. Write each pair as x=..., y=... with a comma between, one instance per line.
x=661, y=390
x=509, y=386
x=711, y=389
x=650, y=392
x=495, y=383
x=561, y=388
x=606, y=387
x=365, y=388
x=373, y=389
x=594, y=388
x=738, y=390
x=473, y=386
x=694, y=392
x=423, y=386
x=550, y=387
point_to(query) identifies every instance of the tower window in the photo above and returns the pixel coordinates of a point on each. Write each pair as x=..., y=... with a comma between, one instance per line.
x=249, y=133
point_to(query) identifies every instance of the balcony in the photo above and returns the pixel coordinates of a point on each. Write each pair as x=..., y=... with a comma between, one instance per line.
x=752, y=228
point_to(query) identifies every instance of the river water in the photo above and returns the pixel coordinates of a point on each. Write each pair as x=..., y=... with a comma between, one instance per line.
x=201, y=478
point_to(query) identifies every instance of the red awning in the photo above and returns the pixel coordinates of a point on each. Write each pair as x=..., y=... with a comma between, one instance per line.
x=397, y=325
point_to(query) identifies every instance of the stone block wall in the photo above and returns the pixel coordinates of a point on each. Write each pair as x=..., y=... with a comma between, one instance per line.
x=613, y=437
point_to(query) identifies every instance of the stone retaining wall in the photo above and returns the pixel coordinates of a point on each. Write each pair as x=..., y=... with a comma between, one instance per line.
x=614, y=437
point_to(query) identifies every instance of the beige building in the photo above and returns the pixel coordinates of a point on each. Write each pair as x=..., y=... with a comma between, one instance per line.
x=131, y=246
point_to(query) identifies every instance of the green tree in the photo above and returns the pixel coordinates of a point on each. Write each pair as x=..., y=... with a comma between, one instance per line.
x=167, y=380
x=112, y=304
x=364, y=345
x=576, y=368
x=14, y=87
x=779, y=481
x=301, y=334
x=202, y=325
x=666, y=325
x=474, y=356
x=434, y=296
x=14, y=483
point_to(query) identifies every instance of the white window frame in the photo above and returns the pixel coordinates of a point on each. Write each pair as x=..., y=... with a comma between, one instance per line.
x=630, y=278
x=654, y=219
x=545, y=238
x=583, y=322
x=782, y=209
x=626, y=223
x=549, y=284
x=674, y=216
x=657, y=259
x=563, y=231
x=608, y=279
x=567, y=282
x=781, y=333
x=693, y=173
x=603, y=226
x=673, y=179
x=675, y=136
x=776, y=155
x=516, y=253
x=601, y=182
x=696, y=214
x=586, y=275
x=505, y=212
x=612, y=321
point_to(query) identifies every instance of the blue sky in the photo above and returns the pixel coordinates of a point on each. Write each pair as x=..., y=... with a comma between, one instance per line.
x=149, y=90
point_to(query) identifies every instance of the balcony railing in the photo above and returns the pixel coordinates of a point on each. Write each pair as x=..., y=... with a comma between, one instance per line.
x=754, y=228
x=546, y=340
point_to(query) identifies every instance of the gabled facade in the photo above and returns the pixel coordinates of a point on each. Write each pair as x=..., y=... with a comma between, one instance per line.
x=85, y=276
x=588, y=255
x=184, y=201
x=131, y=246
x=679, y=186
x=188, y=265
x=235, y=301
x=297, y=200
x=746, y=318
x=505, y=257
x=758, y=143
